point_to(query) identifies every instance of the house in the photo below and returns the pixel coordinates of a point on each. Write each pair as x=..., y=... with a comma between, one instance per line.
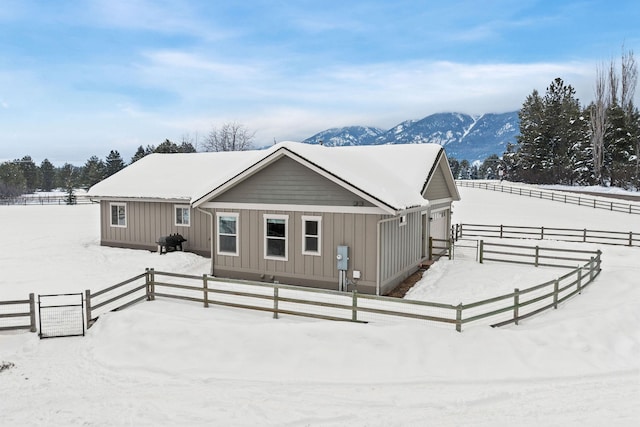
x=355, y=217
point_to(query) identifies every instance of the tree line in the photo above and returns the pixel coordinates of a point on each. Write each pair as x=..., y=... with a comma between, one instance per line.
x=564, y=142
x=22, y=176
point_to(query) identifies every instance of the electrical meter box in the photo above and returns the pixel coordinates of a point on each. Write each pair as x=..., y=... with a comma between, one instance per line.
x=343, y=258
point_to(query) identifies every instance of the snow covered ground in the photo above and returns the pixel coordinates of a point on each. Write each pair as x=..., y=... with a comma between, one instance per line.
x=176, y=363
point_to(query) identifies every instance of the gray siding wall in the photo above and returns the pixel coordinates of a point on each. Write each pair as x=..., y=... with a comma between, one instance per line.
x=288, y=182
x=437, y=188
x=147, y=221
x=357, y=231
x=401, y=250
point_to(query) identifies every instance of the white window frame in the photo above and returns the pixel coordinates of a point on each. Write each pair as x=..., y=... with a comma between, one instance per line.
x=237, y=235
x=267, y=217
x=305, y=219
x=403, y=220
x=181, y=217
x=117, y=205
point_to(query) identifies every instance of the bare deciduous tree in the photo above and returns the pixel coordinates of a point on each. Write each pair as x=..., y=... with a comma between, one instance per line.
x=231, y=136
x=628, y=81
x=598, y=122
x=614, y=84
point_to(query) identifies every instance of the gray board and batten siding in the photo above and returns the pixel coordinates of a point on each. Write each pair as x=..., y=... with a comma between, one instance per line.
x=146, y=221
x=357, y=231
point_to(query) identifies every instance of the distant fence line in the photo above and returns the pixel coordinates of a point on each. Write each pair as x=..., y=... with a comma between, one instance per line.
x=555, y=196
x=581, y=235
x=34, y=199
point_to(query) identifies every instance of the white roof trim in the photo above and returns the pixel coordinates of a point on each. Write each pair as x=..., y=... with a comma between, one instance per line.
x=368, y=210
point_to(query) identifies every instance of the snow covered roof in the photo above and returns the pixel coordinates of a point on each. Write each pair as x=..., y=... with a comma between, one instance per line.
x=393, y=175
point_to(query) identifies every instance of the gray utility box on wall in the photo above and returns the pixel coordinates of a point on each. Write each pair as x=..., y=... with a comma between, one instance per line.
x=343, y=258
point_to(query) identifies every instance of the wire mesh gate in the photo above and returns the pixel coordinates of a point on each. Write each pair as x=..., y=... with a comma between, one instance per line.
x=61, y=315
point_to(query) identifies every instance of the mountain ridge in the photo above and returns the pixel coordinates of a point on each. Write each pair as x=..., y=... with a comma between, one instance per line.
x=463, y=136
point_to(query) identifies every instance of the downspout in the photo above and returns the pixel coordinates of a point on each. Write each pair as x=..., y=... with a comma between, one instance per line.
x=211, y=237
x=379, y=250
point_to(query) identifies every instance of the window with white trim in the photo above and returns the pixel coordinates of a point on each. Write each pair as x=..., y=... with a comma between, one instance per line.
x=182, y=215
x=118, y=214
x=403, y=220
x=227, y=225
x=275, y=237
x=311, y=235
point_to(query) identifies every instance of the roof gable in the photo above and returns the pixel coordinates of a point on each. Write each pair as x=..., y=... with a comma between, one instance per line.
x=287, y=181
x=440, y=183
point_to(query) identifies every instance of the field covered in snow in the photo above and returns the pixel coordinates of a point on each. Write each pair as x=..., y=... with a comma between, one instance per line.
x=176, y=363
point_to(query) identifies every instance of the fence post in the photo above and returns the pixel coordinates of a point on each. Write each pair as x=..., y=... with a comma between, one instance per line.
x=501, y=231
x=541, y=233
x=32, y=312
x=151, y=289
x=584, y=236
x=516, y=302
x=481, y=251
x=599, y=260
x=631, y=238
x=430, y=248
x=591, y=269
x=459, y=318
x=354, y=306
x=556, y=286
x=275, y=301
x=537, y=255
x=579, y=279
x=87, y=301
x=451, y=246
x=205, y=286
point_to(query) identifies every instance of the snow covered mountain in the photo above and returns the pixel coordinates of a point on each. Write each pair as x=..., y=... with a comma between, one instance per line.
x=473, y=138
x=350, y=135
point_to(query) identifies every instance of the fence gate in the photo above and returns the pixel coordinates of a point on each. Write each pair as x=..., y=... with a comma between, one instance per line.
x=61, y=315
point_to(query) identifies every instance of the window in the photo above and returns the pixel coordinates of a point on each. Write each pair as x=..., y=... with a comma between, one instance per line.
x=182, y=215
x=275, y=237
x=311, y=231
x=227, y=233
x=403, y=220
x=118, y=214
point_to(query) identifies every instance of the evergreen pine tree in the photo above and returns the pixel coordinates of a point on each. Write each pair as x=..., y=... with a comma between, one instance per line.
x=93, y=172
x=140, y=153
x=30, y=173
x=48, y=175
x=114, y=163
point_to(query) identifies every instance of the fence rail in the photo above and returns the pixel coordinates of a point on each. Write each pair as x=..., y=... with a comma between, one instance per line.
x=280, y=299
x=569, y=198
x=18, y=309
x=34, y=199
x=581, y=235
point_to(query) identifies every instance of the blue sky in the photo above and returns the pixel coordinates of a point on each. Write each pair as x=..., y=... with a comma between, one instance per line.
x=81, y=78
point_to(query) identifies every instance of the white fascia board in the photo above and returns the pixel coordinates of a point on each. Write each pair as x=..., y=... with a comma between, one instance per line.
x=185, y=201
x=372, y=210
